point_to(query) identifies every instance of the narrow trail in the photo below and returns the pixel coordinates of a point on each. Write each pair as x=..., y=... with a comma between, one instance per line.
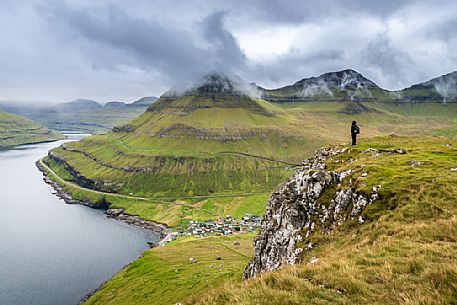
x=170, y=200
x=259, y=157
x=223, y=152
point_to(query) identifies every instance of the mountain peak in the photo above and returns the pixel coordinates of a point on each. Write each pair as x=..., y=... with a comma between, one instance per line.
x=443, y=87
x=214, y=90
x=215, y=84
x=341, y=85
x=344, y=79
x=78, y=104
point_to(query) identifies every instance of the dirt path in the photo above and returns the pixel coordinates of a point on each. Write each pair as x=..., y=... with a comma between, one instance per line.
x=151, y=199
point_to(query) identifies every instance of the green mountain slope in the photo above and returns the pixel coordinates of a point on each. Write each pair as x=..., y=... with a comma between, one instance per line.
x=404, y=252
x=215, y=140
x=17, y=130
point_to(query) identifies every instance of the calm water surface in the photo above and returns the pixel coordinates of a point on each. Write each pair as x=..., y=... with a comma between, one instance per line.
x=52, y=252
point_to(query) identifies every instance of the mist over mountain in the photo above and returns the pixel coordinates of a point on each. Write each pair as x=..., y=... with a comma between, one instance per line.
x=105, y=52
x=442, y=88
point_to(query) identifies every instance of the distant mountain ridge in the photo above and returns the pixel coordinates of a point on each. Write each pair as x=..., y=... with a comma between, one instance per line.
x=144, y=101
x=83, y=115
x=442, y=88
x=76, y=105
x=350, y=85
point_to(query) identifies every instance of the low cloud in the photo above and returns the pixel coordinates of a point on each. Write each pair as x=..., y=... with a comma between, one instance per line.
x=122, y=50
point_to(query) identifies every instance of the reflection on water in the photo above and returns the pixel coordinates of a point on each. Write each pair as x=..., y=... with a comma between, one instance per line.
x=51, y=252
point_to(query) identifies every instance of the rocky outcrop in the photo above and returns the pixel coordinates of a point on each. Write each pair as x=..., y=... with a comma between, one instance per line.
x=77, y=177
x=298, y=207
x=61, y=192
x=134, y=220
x=129, y=128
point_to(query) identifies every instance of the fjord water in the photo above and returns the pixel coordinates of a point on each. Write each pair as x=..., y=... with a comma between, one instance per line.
x=52, y=252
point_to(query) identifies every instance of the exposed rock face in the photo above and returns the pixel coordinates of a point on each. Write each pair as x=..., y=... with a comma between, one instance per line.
x=345, y=85
x=295, y=210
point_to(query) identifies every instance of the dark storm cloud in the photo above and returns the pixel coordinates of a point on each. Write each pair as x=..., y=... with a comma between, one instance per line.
x=387, y=63
x=119, y=49
x=178, y=54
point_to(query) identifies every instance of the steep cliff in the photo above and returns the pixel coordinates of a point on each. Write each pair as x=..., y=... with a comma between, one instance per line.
x=314, y=198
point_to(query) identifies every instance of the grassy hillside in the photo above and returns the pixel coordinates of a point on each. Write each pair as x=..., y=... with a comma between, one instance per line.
x=166, y=276
x=17, y=130
x=185, y=148
x=404, y=252
x=214, y=151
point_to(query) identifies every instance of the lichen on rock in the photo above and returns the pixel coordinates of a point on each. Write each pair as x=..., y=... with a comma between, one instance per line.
x=295, y=208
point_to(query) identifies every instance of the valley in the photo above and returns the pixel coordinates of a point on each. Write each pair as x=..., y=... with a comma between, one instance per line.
x=228, y=152
x=225, y=144
x=82, y=115
x=215, y=151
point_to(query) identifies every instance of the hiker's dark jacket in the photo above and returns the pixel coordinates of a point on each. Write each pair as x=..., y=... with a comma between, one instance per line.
x=355, y=129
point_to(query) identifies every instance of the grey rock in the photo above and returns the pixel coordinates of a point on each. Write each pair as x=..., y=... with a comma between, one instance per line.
x=415, y=163
x=293, y=212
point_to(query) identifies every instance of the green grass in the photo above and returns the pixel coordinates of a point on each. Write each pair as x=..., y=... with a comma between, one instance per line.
x=172, y=211
x=230, y=151
x=17, y=130
x=405, y=252
x=165, y=275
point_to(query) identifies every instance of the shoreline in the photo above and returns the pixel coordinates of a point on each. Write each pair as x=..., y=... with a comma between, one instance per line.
x=163, y=230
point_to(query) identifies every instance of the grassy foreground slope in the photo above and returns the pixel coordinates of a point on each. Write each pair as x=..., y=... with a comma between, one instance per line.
x=404, y=253
x=17, y=130
x=166, y=276
x=219, y=142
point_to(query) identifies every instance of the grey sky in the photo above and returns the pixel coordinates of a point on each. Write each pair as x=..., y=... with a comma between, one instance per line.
x=56, y=50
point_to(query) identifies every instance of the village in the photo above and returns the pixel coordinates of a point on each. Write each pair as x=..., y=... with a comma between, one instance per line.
x=222, y=226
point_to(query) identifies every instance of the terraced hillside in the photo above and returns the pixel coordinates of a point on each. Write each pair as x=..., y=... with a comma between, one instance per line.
x=218, y=151
x=398, y=248
x=17, y=130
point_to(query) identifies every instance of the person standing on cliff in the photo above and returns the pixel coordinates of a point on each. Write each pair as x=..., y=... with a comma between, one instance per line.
x=355, y=130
